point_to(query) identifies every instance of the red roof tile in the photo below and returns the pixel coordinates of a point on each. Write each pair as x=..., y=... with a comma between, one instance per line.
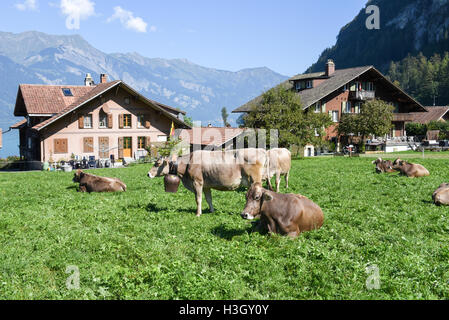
x=432, y=114
x=213, y=136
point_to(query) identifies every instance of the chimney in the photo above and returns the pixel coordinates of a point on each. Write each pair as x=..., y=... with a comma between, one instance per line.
x=330, y=67
x=88, y=81
x=103, y=78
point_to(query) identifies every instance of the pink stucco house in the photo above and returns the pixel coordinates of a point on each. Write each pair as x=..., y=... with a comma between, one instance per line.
x=109, y=118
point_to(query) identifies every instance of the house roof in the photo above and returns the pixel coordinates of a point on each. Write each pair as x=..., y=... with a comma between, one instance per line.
x=308, y=76
x=51, y=101
x=432, y=114
x=334, y=82
x=47, y=99
x=18, y=124
x=211, y=136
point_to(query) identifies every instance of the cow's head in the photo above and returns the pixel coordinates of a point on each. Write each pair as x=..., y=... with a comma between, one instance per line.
x=255, y=197
x=161, y=168
x=398, y=164
x=78, y=175
x=378, y=162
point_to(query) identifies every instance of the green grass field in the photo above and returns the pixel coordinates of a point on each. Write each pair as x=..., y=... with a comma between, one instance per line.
x=146, y=244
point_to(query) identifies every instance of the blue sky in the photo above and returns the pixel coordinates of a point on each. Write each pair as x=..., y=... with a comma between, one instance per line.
x=285, y=35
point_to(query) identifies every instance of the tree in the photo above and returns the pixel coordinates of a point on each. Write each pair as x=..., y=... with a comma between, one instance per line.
x=224, y=116
x=374, y=119
x=188, y=121
x=281, y=109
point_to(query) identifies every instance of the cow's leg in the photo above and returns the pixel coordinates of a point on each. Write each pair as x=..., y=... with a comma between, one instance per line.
x=82, y=188
x=208, y=194
x=278, y=181
x=269, y=184
x=199, y=197
x=286, y=179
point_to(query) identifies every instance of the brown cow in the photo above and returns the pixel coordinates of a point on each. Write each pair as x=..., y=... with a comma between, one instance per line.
x=383, y=165
x=411, y=170
x=91, y=183
x=202, y=170
x=287, y=214
x=441, y=195
x=279, y=163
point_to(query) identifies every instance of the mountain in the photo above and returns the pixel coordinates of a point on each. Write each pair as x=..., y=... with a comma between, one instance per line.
x=36, y=57
x=407, y=27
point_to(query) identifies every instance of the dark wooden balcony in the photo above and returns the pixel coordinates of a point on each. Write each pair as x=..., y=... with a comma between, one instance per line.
x=362, y=95
x=402, y=117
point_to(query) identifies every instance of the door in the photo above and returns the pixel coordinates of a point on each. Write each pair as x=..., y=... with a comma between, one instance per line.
x=127, y=147
x=103, y=143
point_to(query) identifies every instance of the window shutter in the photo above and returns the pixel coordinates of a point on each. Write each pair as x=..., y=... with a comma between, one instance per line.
x=120, y=146
x=60, y=146
x=88, y=145
x=323, y=108
x=81, y=122
x=120, y=121
x=147, y=122
x=110, y=120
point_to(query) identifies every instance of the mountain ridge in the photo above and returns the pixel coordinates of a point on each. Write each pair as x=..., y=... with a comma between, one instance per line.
x=38, y=58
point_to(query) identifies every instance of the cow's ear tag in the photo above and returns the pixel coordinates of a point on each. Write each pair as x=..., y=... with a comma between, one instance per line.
x=267, y=197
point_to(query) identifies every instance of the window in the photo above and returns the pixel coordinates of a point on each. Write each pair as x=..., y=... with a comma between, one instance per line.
x=141, y=121
x=126, y=121
x=103, y=123
x=162, y=138
x=67, y=92
x=348, y=107
x=335, y=116
x=309, y=84
x=88, y=121
x=127, y=101
x=300, y=85
x=318, y=107
x=345, y=87
x=357, y=107
x=141, y=142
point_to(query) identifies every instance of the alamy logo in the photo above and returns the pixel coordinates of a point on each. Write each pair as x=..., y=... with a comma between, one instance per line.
x=373, y=280
x=373, y=21
x=73, y=281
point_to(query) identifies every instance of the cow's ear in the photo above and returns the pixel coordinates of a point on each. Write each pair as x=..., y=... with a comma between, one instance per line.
x=267, y=196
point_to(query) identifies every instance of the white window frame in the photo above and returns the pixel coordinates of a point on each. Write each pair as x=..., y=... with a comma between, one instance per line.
x=318, y=107
x=100, y=116
x=348, y=107
x=335, y=115
x=140, y=121
x=88, y=124
x=309, y=84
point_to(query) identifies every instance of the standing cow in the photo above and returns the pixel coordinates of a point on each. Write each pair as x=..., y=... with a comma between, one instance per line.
x=287, y=214
x=202, y=171
x=279, y=163
x=411, y=170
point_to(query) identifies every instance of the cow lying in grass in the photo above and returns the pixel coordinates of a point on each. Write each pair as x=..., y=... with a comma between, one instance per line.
x=383, y=166
x=411, y=170
x=286, y=214
x=91, y=183
x=441, y=195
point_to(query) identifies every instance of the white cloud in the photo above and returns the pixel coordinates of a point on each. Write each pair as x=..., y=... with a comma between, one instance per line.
x=128, y=20
x=27, y=5
x=76, y=10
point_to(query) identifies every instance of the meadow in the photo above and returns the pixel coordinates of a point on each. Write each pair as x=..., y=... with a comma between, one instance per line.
x=147, y=244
